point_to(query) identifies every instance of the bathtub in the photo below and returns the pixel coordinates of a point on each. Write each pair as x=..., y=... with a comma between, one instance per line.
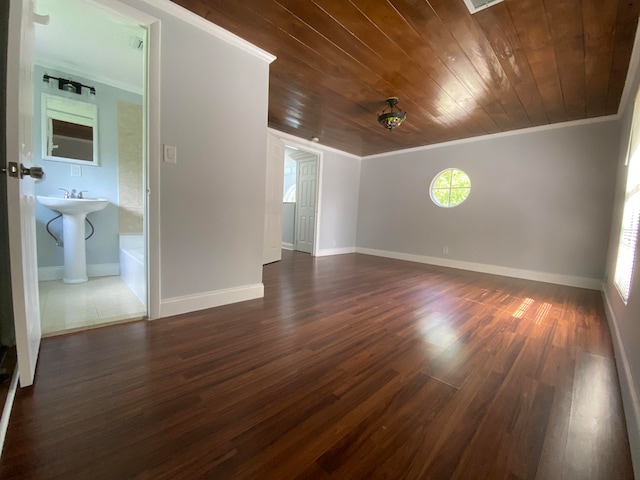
x=132, y=268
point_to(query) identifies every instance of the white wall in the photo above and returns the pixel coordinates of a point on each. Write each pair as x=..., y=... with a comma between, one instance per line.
x=212, y=200
x=540, y=204
x=624, y=320
x=288, y=224
x=339, y=209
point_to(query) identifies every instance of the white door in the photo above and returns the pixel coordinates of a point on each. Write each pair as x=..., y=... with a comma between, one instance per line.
x=272, y=249
x=20, y=191
x=306, y=205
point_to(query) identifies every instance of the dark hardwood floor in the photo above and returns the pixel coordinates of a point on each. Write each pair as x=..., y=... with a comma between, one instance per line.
x=351, y=367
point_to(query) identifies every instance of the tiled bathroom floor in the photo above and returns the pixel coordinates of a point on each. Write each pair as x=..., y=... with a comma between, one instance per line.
x=101, y=300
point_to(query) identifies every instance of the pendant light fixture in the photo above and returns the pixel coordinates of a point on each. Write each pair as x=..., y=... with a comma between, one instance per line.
x=390, y=118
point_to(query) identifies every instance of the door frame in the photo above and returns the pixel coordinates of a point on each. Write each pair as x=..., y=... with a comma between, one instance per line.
x=291, y=142
x=152, y=147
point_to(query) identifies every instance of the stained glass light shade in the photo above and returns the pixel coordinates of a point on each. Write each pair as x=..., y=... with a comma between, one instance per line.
x=393, y=117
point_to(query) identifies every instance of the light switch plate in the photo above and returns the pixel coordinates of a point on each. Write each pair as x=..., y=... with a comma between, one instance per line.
x=76, y=170
x=170, y=154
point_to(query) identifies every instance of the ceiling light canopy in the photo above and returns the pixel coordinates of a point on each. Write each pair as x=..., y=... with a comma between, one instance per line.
x=391, y=117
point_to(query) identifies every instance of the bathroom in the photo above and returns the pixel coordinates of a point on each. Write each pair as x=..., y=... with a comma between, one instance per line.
x=94, y=64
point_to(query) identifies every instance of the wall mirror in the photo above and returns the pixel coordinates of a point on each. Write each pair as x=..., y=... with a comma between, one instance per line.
x=69, y=130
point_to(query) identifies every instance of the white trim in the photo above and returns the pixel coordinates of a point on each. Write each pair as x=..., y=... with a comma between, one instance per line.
x=630, y=400
x=153, y=149
x=335, y=251
x=308, y=145
x=152, y=135
x=125, y=13
x=473, y=9
x=211, y=28
x=559, y=279
x=318, y=226
x=8, y=405
x=287, y=246
x=492, y=136
x=216, y=298
x=315, y=147
x=103, y=269
x=96, y=270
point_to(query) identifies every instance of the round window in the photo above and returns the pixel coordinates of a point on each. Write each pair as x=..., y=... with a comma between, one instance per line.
x=450, y=188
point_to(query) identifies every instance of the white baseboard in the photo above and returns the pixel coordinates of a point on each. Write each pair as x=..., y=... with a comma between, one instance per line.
x=335, y=251
x=582, y=282
x=287, y=246
x=95, y=270
x=8, y=405
x=628, y=388
x=216, y=298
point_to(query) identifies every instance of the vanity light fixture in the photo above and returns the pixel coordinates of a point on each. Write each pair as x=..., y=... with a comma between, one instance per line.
x=69, y=85
x=392, y=118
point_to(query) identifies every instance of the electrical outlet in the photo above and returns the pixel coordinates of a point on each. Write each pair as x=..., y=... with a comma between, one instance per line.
x=445, y=250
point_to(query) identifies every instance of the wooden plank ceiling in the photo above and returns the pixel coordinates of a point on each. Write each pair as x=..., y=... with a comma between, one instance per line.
x=517, y=64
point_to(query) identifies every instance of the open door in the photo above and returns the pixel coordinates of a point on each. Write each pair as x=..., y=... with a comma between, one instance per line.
x=20, y=188
x=272, y=247
x=306, y=205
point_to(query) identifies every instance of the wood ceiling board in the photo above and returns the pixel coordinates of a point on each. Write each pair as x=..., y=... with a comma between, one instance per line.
x=353, y=69
x=599, y=20
x=517, y=64
x=628, y=11
x=479, y=52
x=530, y=20
x=498, y=27
x=463, y=85
x=429, y=98
x=568, y=42
x=453, y=100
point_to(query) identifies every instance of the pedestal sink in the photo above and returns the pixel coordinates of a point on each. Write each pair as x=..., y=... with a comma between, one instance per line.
x=74, y=211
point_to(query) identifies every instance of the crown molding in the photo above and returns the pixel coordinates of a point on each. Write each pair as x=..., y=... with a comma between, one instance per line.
x=205, y=25
x=492, y=136
x=308, y=144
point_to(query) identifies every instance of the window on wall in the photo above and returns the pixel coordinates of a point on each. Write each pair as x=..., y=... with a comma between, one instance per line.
x=623, y=277
x=450, y=188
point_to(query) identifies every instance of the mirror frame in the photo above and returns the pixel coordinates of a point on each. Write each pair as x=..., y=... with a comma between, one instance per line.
x=66, y=109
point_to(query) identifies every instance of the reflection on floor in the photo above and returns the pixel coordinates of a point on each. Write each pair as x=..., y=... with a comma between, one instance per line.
x=101, y=300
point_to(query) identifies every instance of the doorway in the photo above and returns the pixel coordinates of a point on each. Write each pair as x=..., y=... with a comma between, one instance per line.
x=300, y=199
x=116, y=259
x=7, y=333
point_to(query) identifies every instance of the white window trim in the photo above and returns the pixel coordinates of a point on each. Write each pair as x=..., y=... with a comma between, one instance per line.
x=450, y=188
x=628, y=241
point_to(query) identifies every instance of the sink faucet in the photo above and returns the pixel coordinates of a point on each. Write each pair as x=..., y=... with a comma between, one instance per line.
x=66, y=192
x=81, y=192
x=73, y=193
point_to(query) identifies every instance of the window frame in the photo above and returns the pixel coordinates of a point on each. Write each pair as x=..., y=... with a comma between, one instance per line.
x=624, y=271
x=450, y=188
